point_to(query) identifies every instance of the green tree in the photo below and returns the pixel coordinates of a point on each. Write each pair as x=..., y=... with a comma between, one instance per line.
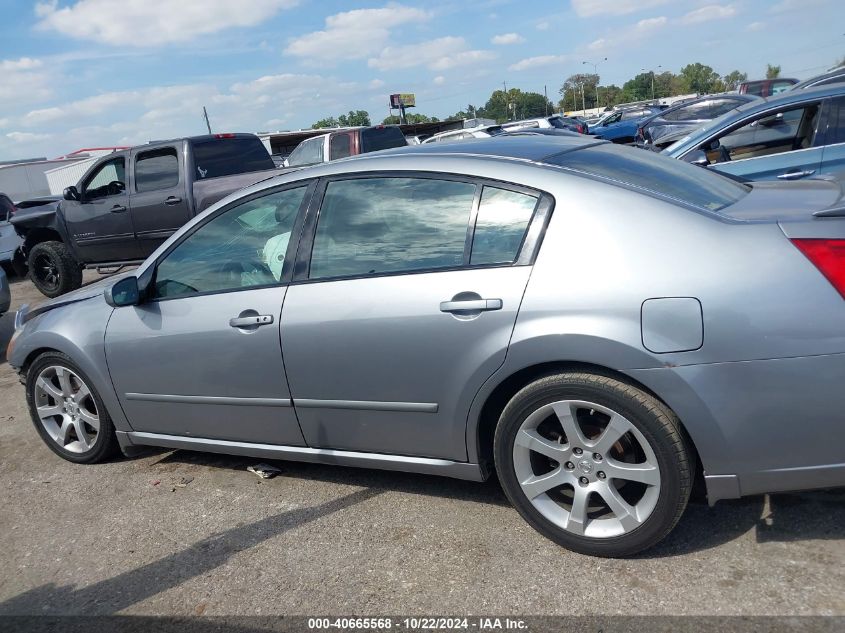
x=412, y=117
x=356, y=117
x=579, y=90
x=698, y=78
x=470, y=112
x=772, y=72
x=666, y=84
x=733, y=79
x=515, y=104
x=610, y=96
x=638, y=88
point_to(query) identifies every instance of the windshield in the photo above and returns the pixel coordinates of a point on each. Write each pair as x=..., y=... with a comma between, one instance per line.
x=715, y=124
x=656, y=174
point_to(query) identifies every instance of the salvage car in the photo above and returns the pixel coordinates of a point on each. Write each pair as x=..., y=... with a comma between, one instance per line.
x=766, y=87
x=599, y=325
x=554, y=122
x=620, y=126
x=5, y=293
x=686, y=117
x=345, y=142
x=482, y=131
x=833, y=76
x=131, y=201
x=799, y=134
x=9, y=240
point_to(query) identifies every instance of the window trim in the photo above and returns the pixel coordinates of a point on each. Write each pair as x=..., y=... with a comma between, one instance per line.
x=288, y=264
x=95, y=170
x=526, y=255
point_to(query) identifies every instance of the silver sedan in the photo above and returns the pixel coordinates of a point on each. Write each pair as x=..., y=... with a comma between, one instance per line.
x=599, y=325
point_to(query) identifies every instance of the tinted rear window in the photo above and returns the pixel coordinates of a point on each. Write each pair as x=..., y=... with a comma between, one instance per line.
x=375, y=138
x=657, y=174
x=226, y=156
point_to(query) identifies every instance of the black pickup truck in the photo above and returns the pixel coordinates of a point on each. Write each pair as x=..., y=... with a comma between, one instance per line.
x=130, y=201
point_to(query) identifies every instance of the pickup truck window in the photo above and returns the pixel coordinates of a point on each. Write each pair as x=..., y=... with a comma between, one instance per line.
x=157, y=169
x=227, y=156
x=108, y=180
x=375, y=138
x=340, y=146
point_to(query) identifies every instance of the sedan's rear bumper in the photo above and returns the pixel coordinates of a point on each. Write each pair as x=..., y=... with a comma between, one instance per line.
x=761, y=426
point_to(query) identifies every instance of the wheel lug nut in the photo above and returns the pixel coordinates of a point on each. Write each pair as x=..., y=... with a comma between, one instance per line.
x=570, y=466
x=577, y=451
x=584, y=481
x=597, y=457
x=601, y=475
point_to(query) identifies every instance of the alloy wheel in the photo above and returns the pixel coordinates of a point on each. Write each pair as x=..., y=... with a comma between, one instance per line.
x=66, y=409
x=586, y=468
x=46, y=271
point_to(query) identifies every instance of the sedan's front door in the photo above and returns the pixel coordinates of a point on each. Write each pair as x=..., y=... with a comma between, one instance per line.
x=403, y=316
x=202, y=356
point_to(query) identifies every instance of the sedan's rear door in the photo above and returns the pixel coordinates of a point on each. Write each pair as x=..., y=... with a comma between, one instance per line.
x=399, y=311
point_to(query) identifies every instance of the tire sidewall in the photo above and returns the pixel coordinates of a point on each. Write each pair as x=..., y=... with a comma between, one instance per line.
x=103, y=444
x=70, y=276
x=673, y=488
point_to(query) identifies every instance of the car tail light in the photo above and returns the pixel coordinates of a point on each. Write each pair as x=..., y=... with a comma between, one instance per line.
x=580, y=128
x=828, y=256
x=228, y=135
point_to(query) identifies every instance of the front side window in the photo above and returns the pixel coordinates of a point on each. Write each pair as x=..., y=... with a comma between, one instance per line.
x=108, y=180
x=500, y=226
x=158, y=169
x=768, y=134
x=243, y=247
x=373, y=226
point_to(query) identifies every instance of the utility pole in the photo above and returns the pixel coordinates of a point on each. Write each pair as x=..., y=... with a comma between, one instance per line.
x=205, y=116
x=596, y=73
x=652, y=80
x=546, y=103
x=583, y=101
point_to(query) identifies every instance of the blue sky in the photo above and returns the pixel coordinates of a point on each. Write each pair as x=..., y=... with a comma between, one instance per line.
x=83, y=73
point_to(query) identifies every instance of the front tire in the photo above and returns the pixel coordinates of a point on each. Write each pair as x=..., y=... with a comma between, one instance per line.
x=53, y=269
x=593, y=463
x=67, y=411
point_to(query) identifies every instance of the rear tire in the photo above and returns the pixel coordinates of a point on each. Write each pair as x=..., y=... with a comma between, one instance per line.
x=53, y=269
x=593, y=463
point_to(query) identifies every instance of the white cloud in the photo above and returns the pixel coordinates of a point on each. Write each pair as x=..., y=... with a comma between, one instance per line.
x=542, y=26
x=793, y=5
x=375, y=84
x=18, y=65
x=24, y=81
x=440, y=54
x=26, y=137
x=630, y=36
x=589, y=8
x=709, y=12
x=438, y=81
x=756, y=26
x=354, y=34
x=153, y=22
x=539, y=61
x=507, y=38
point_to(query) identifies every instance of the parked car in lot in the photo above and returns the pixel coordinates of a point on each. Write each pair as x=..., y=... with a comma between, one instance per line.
x=483, y=131
x=686, y=117
x=451, y=310
x=620, y=126
x=766, y=87
x=5, y=293
x=345, y=142
x=554, y=122
x=9, y=240
x=796, y=135
x=131, y=201
x=835, y=76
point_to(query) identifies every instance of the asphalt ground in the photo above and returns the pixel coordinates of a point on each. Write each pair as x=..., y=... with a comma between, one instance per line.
x=184, y=533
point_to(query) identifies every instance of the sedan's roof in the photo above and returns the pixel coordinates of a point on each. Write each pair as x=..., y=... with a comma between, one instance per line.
x=534, y=148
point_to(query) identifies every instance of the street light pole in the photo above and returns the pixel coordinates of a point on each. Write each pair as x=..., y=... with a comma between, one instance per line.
x=596, y=73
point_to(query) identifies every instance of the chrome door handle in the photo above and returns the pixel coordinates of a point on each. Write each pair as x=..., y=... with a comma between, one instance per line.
x=251, y=321
x=473, y=305
x=118, y=208
x=172, y=200
x=795, y=175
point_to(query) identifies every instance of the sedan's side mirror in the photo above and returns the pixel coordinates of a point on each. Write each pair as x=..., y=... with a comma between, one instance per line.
x=124, y=293
x=697, y=157
x=70, y=193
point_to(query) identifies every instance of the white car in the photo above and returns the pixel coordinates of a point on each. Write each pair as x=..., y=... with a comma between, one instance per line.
x=482, y=131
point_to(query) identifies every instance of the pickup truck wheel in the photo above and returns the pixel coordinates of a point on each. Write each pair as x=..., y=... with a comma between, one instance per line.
x=53, y=269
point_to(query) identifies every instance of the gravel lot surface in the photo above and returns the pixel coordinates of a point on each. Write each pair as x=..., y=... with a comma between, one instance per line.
x=123, y=537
